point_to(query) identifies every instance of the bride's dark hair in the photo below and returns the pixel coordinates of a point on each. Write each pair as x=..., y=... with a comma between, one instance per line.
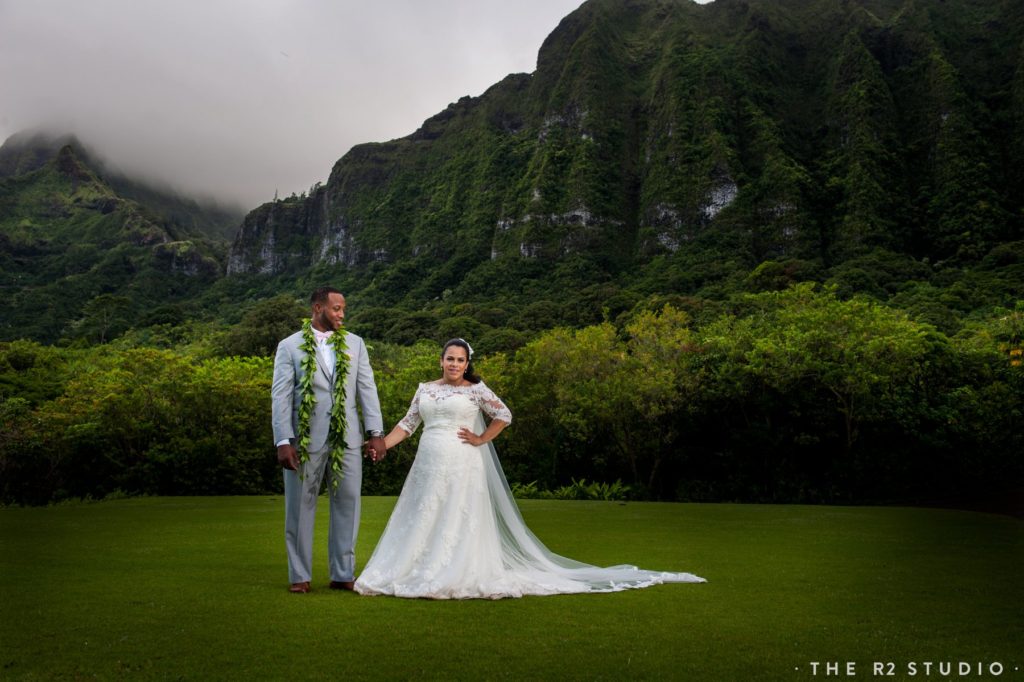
x=470, y=375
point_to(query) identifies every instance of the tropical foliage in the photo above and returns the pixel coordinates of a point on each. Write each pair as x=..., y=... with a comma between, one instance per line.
x=793, y=395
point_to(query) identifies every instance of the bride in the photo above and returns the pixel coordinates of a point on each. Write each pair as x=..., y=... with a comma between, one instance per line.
x=456, y=532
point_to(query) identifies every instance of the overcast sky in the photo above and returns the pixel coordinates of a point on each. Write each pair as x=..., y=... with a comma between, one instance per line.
x=238, y=98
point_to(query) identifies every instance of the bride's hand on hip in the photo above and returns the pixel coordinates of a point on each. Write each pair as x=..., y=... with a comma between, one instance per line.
x=467, y=436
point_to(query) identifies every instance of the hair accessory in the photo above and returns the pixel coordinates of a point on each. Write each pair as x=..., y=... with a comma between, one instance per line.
x=467, y=346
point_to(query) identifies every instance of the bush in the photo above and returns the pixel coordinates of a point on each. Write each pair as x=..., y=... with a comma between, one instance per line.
x=783, y=396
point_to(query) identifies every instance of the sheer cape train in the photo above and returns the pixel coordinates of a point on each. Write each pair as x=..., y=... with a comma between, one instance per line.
x=521, y=549
x=470, y=540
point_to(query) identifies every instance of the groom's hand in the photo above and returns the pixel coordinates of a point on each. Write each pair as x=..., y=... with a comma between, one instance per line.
x=376, y=449
x=287, y=456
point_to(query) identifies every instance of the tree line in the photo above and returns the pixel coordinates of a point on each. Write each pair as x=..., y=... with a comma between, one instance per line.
x=782, y=396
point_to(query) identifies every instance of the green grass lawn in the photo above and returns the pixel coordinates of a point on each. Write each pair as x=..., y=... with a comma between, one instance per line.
x=195, y=588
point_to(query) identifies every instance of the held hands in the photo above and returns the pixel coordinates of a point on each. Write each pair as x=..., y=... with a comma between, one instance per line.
x=288, y=456
x=376, y=449
x=467, y=436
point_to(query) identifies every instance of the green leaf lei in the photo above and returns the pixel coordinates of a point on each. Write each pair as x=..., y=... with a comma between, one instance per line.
x=336, y=434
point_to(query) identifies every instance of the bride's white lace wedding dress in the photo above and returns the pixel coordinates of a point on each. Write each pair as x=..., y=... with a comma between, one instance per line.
x=456, y=533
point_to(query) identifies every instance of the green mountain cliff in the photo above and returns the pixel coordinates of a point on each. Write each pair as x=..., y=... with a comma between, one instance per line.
x=664, y=146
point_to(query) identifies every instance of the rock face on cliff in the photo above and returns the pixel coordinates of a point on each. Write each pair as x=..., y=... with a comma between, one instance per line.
x=761, y=129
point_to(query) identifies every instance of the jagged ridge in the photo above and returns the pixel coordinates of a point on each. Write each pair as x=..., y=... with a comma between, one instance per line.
x=815, y=129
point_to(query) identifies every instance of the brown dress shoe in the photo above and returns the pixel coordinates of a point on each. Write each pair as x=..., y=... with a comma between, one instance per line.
x=299, y=588
x=340, y=585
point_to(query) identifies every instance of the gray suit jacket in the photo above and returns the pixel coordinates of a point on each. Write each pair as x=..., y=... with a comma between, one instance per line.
x=286, y=395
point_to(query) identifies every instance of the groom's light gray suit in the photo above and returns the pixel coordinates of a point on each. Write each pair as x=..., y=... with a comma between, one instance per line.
x=301, y=494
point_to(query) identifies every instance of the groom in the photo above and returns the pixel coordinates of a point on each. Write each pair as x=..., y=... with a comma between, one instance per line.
x=302, y=481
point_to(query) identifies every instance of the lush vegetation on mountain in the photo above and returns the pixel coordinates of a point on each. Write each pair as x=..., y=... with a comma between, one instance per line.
x=661, y=147
x=665, y=147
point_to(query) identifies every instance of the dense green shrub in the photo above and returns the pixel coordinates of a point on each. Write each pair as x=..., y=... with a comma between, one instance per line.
x=790, y=395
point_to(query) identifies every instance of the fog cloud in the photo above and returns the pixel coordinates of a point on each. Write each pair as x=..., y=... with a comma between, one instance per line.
x=237, y=99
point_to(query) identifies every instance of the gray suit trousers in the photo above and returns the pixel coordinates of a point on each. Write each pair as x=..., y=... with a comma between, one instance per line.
x=300, y=498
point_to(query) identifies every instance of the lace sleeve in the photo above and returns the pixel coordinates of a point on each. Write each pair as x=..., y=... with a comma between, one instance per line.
x=412, y=418
x=491, y=404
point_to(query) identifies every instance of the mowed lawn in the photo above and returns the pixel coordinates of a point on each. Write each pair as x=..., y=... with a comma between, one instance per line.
x=195, y=588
